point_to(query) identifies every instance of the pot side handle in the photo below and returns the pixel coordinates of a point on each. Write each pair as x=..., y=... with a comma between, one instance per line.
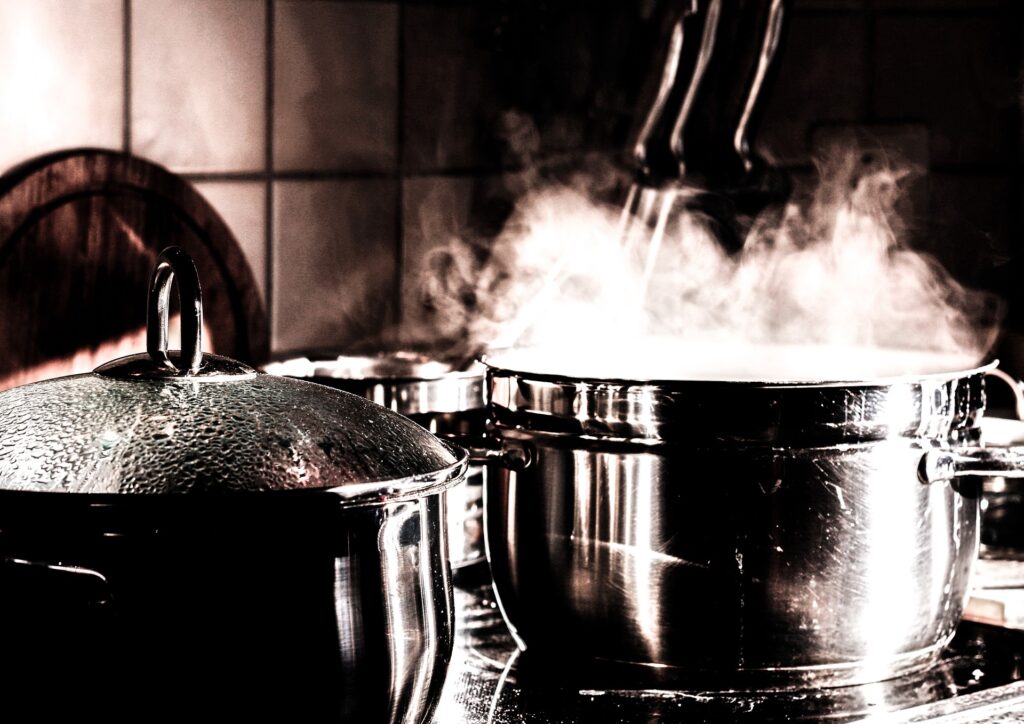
x=485, y=450
x=25, y=582
x=1016, y=389
x=981, y=462
x=1006, y=462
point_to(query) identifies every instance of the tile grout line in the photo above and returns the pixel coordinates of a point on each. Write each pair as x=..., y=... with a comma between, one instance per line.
x=870, y=61
x=399, y=174
x=962, y=169
x=1016, y=224
x=268, y=161
x=126, y=91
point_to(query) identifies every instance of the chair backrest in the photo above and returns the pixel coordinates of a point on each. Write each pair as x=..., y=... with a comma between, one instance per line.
x=79, y=233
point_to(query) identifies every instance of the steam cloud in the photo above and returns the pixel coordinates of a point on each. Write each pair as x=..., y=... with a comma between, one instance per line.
x=826, y=289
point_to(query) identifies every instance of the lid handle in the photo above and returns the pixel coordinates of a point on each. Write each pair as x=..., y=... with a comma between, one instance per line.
x=174, y=264
x=190, y=365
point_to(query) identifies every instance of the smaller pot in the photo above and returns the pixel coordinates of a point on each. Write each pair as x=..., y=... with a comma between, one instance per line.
x=448, y=402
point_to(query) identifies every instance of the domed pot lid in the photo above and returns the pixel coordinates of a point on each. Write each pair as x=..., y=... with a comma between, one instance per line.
x=187, y=423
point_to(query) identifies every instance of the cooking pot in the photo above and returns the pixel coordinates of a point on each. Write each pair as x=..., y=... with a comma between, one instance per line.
x=445, y=399
x=178, y=531
x=736, y=535
x=1002, y=502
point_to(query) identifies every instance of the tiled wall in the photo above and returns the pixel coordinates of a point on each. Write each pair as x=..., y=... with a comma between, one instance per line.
x=340, y=140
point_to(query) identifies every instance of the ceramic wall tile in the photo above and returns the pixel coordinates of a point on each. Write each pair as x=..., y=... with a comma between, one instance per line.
x=334, y=257
x=61, y=76
x=959, y=75
x=335, y=85
x=198, y=83
x=820, y=80
x=243, y=206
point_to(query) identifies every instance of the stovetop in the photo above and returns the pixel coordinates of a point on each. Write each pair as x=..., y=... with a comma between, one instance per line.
x=978, y=679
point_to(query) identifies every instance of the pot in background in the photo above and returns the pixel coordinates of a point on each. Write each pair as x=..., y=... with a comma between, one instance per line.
x=1002, y=505
x=446, y=401
x=179, y=531
x=736, y=535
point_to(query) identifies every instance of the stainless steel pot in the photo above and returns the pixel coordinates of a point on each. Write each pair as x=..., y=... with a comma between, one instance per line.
x=732, y=535
x=1002, y=503
x=179, y=531
x=448, y=402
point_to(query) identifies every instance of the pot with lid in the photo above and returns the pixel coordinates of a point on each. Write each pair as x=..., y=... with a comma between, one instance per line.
x=176, y=528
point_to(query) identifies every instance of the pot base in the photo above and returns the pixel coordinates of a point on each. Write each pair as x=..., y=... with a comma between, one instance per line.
x=612, y=674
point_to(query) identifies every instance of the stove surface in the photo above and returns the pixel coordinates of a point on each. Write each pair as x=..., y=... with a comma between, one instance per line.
x=978, y=679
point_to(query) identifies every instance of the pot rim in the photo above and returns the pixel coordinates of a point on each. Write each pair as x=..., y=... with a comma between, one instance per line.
x=411, y=487
x=941, y=406
x=370, y=368
x=494, y=367
x=350, y=495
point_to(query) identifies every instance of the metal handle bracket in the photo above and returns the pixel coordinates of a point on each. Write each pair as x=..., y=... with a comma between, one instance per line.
x=979, y=462
x=508, y=454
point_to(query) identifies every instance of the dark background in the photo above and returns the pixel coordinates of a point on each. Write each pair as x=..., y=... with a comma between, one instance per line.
x=342, y=140
x=932, y=84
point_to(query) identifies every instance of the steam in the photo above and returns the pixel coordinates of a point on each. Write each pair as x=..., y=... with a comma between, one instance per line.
x=826, y=288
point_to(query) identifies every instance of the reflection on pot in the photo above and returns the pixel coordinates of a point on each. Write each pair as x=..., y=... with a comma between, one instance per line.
x=493, y=683
x=251, y=608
